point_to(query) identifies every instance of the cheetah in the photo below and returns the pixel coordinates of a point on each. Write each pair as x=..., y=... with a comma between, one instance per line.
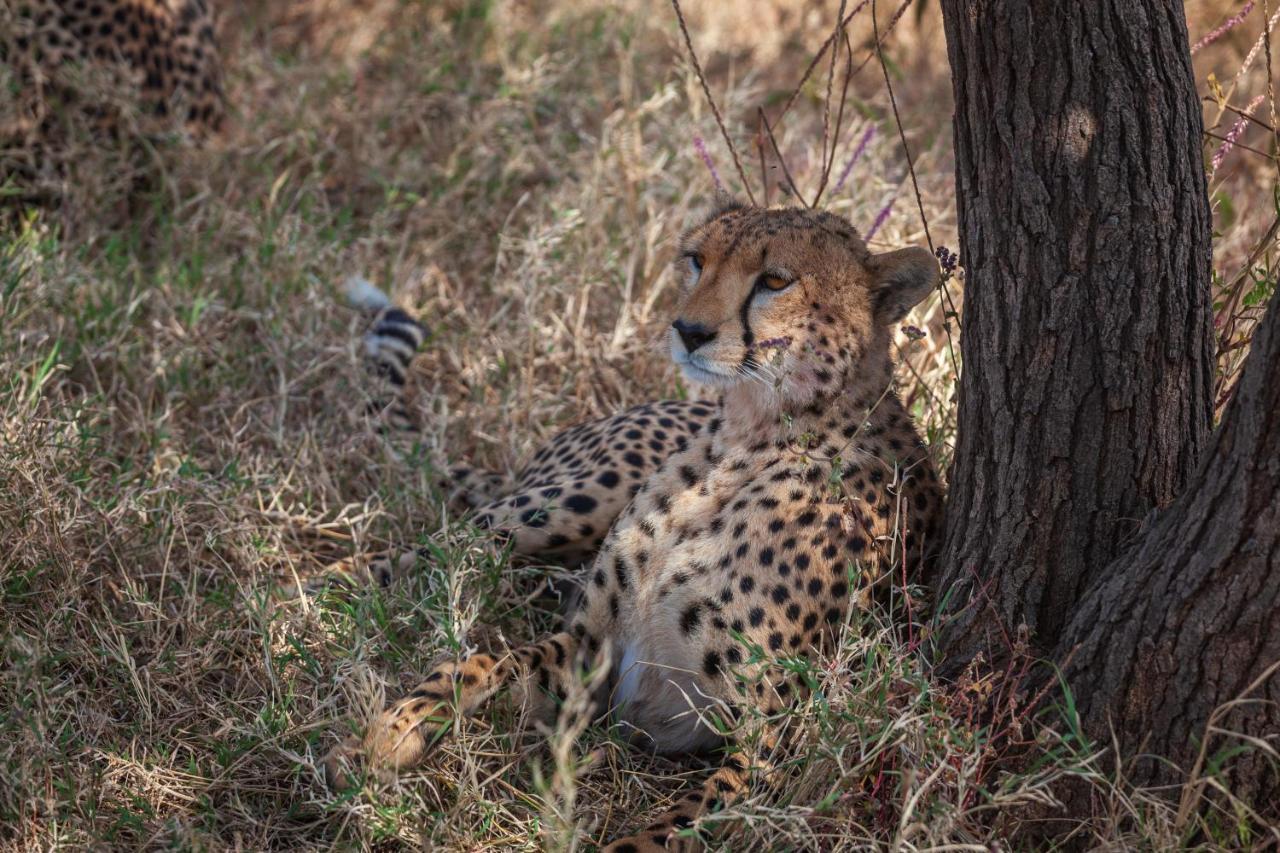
x=167, y=46
x=749, y=532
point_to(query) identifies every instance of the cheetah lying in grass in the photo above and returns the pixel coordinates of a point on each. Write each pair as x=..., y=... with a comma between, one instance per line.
x=732, y=535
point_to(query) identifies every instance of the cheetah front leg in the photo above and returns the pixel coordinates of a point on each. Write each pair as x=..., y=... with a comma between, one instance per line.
x=407, y=731
x=377, y=568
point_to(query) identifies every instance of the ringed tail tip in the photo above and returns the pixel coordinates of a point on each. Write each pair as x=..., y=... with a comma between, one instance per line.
x=365, y=295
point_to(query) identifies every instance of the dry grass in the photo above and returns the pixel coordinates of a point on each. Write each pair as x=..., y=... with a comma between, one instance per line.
x=180, y=438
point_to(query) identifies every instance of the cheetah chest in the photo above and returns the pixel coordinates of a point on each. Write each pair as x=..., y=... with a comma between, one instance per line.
x=673, y=546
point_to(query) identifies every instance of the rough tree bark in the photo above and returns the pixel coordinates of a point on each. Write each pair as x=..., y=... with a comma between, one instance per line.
x=1189, y=619
x=1085, y=399
x=1086, y=394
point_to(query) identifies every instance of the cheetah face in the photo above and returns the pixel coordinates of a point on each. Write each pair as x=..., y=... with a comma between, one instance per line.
x=789, y=301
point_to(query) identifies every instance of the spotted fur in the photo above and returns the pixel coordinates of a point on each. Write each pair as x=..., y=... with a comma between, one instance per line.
x=754, y=528
x=166, y=46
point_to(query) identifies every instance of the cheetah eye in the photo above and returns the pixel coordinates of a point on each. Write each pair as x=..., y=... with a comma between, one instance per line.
x=774, y=282
x=693, y=268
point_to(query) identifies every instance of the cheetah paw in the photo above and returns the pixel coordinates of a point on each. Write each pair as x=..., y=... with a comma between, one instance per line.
x=343, y=766
x=663, y=835
x=644, y=842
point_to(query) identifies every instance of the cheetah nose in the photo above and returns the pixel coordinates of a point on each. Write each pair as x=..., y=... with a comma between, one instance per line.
x=694, y=335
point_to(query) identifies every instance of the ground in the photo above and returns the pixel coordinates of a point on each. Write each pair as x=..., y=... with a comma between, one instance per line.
x=182, y=441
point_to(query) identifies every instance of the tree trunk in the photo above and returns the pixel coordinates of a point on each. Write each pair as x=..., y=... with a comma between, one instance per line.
x=1086, y=394
x=1189, y=618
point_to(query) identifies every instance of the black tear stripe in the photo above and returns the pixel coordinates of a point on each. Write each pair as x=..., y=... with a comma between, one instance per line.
x=748, y=336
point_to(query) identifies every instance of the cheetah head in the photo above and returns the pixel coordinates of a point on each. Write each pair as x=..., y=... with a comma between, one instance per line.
x=790, y=302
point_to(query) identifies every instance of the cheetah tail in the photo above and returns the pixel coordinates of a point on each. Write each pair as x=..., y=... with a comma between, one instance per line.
x=390, y=344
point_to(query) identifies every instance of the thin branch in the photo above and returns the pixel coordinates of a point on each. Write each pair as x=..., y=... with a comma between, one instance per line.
x=813, y=63
x=826, y=103
x=871, y=53
x=1271, y=89
x=764, y=171
x=893, y=22
x=706, y=90
x=911, y=168
x=1209, y=99
x=1235, y=293
x=1235, y=144
x=817, y=57
x=902, y=134
x=844, y=96
x=1237, y=281
x=785, y=171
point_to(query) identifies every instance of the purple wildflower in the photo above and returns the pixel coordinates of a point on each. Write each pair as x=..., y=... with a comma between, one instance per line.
x=880, y=218
x=1233, y=136
x=857, y=154
x=914, y=333
x=1226, y=27
x=701, y=148
x=948, y=260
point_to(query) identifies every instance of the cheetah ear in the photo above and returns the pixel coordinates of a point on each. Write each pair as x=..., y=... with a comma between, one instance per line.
x=899, y=280
x=721, y=203
x=724, y=202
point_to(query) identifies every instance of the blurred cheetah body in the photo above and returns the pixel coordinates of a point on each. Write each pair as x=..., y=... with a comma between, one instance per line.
x=168, y=45
x=741, y=541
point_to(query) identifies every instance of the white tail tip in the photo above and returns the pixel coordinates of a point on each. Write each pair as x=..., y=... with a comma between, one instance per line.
x=364, y=294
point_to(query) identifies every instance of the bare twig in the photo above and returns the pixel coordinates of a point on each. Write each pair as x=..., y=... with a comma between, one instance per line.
x=1229, y=311
x=1271, y=91
x=844, y=96
x=774, y=142
x=826, y=103
x=1209, y=99
x=902, y=134
x=764, y=170
x=706, y=90
x=817, y=57
x=1233, y=143
x=843, y=22
x=924, y=219
x=873, y=52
